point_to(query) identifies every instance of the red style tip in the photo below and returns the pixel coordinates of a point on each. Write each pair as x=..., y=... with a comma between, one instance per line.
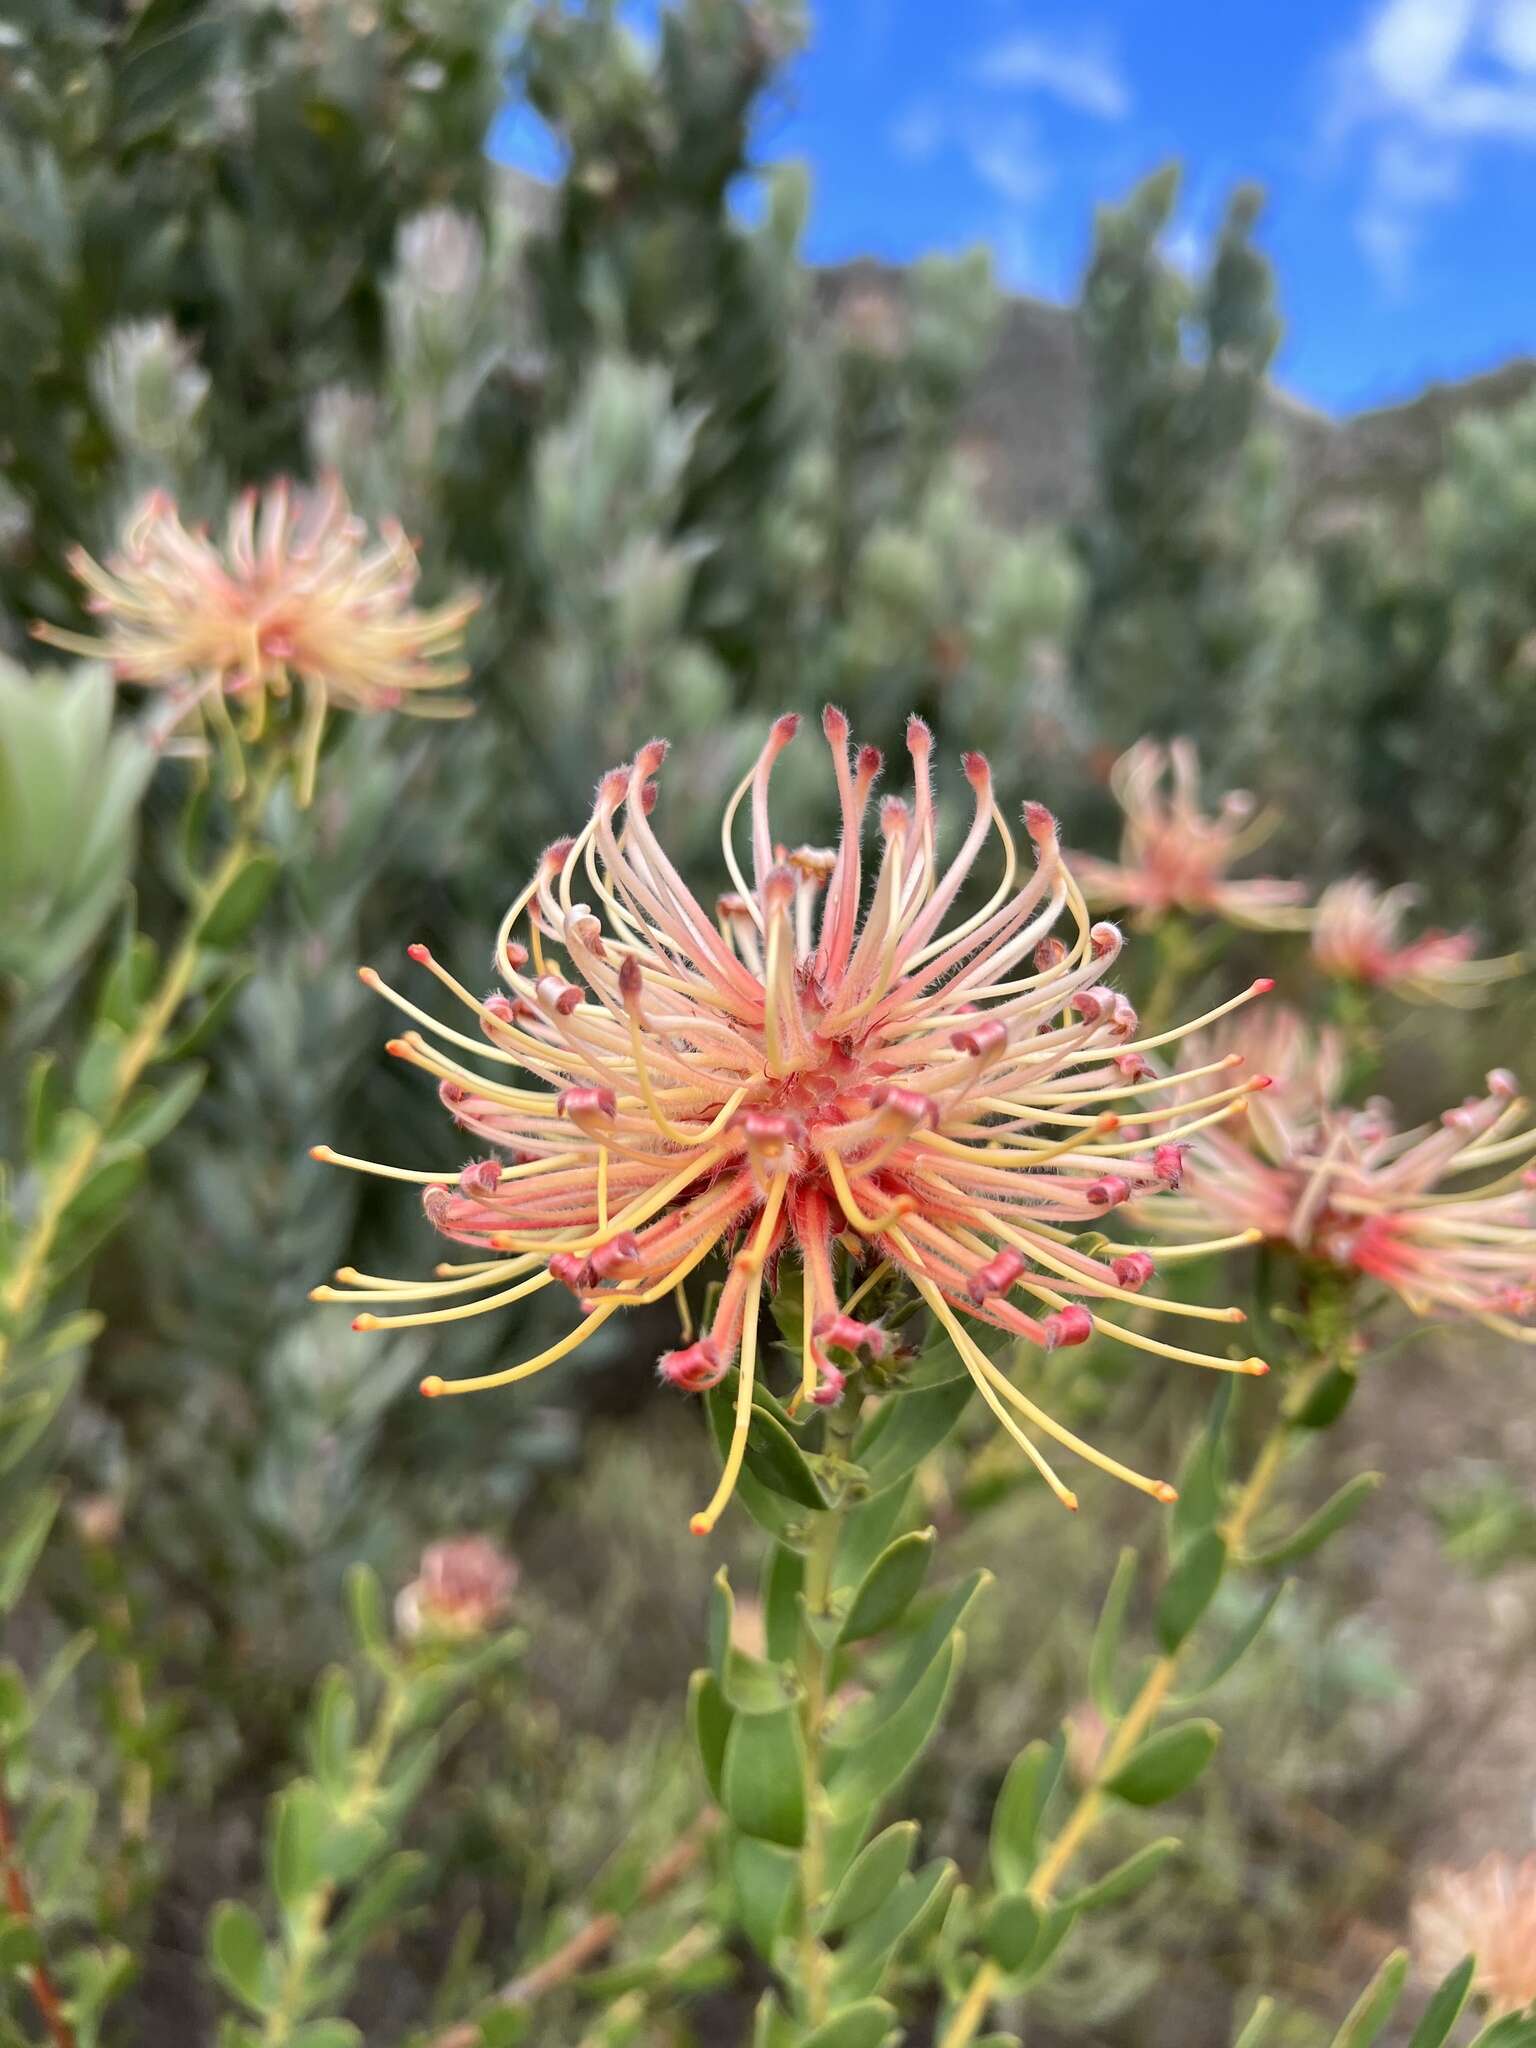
x=834, y=724
x=870, y=762
x=1260, y=1082
x=433, y=1385
x=1263, y=986
x=631, y=979
x=785, y=728
x=365, y=1322
x=320, y=1152
x=649, y=760
x=978, y=770
x=919, y=736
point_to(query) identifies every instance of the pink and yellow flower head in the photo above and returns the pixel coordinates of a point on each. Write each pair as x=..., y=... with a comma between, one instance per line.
x=296, y=596
x=946, y=1094
x=1443, y=1216
x=1358, y=936
x=1173, y=856
x=1488, y=1912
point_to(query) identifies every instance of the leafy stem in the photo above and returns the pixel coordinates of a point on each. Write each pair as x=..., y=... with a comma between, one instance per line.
x=1150, y=1697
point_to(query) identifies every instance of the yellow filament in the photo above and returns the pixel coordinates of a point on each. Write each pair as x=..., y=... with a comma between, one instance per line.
x=368, y=1321
x=602, y=1187
x=867, y=1226
x=433, y=1385
x=753, y=1258
x=669, y=1130
x=1036, y=1457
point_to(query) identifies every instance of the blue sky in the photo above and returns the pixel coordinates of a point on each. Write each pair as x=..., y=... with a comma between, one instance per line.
x=1396, y=140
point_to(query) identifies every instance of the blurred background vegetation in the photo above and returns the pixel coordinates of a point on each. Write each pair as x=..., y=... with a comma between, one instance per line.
x=698, y=484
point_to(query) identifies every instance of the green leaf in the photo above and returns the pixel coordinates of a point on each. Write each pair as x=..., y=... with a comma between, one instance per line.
x=864, y=2025
x=231, y=913
x=333, y=1729
x=1444, y=2009
x=1514, y=2031
x=1203, y=1479
x=1259, y=2021
x=888, y=1586
x=1126, y=1878
x=1376, y=2004
x=237, y=1954
x=377, y=1902
x=1105, y=1653
x=776, y=1461
x=1316, y=1529
x=859, y=1778
x=1328, y=1399
x=296, y=1852
x=98, y=1068
x=750, y=1685
x=924, y=1417
x=912, y=1911
x=153, y=1113
x=54, y=1843
x=709, y=1720
x=765, y=1880
x=1010, y=1930
x=762, y=1778
x=783, y=1582
x=120, y=1171
x=1166, y=1764
x=782, y=1519
x=871, y=1877
x=1016, y=1816
x=1191, y=1587
x=365, y=1606
x=129, y=982
x=326, y=2034
x=861, y=1722
x=24, y=1544
x=44, y=1103
x=1242, y=1641
x=866, y=1530
x=210, y=1020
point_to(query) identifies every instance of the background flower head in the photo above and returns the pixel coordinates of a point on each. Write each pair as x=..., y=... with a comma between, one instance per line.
x=297, y=597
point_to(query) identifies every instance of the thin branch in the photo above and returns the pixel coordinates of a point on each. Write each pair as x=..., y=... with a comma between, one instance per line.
x=19, y=1900
x=599, y=1934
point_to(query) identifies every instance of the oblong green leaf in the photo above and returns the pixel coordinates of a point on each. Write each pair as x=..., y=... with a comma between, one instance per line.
x=1315, y=1531
x=924, y=1417
x=1191, y=1587
x=871, y=1877
x=762, y=1777
x=1166, y=1764
x=231, y=913
x=1444, y=2009
x=237, y=1954
x=1127, y=1877
x=864, y=2025
x=1104, y=1655
x=888, y=1586
x=765, y=1880
x=1376, y=2004
x=1010, y=1930
x=1016, y=1816
x=859, y=1778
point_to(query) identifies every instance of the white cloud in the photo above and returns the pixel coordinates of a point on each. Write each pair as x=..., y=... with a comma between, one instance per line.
x=1513, y=34
x=1429, y=81
x=919, y=132
x=1411, y=46
x=1081, y=72
x=1009, y=159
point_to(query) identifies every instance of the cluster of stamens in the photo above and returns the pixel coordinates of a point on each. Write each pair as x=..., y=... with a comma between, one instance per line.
x=962, y=1103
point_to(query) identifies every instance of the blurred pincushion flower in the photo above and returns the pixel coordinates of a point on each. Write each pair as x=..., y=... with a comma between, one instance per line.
x=1344, y=1186
x=1488, y=1912
x=790, y=1076
x=1173, y=856
x=463, y=1586
x=296, y=593
x=1357, y=936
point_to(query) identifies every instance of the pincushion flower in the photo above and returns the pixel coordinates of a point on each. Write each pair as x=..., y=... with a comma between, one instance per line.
x=1488, y=1912
x=1357, y=936
x=1173, y=856
x=945, y=1092
x=296, y=598
x=1443, y=1216
x=463, y=1586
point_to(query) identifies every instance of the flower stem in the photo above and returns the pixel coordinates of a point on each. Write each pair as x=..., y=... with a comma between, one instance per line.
x=27, y=1284
x=1143, y=1709
x=814, y=1665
